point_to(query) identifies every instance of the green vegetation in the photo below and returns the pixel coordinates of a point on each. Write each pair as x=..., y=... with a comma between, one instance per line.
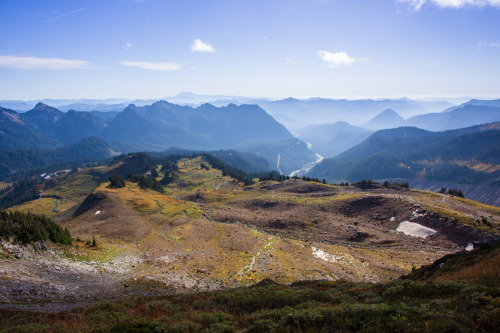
x=146, y=182
x=366, y=183
x=15, y=165
x=20, y=192
x=244, y=161
x=91, y=243
x=301, y=307
x=228, y=170
x=136, y=163
x=396, y=184
x=412, y=153
x=463, y=266
x=452, y=191
x=116, y=182
x=29, y=228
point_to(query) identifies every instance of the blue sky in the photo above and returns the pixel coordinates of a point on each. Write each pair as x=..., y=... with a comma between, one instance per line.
x=273, y=48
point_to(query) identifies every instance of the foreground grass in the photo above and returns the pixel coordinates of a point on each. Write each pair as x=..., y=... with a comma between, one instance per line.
x=300, y=307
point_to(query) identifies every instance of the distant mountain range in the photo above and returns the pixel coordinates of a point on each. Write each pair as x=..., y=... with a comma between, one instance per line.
x=155, y=127
x=460, y=117
x=295, y=113
x=332, y=139
x=468, y=156
x=249, y=128
x=291, y=112
x=162, y=125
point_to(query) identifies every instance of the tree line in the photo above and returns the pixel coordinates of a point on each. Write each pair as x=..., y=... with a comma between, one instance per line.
x=29, y=228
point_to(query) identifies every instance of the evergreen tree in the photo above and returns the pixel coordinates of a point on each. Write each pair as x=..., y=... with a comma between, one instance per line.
x=116, y=182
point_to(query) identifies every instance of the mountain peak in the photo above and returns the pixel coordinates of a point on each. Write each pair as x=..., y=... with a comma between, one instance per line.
x=42, y=107
x=385, y=119
x=389, y=113
x=162, y=103
x=207, y=106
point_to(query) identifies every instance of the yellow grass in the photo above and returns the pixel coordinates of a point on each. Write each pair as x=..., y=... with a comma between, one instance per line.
x=152, y=202
x=488, y=267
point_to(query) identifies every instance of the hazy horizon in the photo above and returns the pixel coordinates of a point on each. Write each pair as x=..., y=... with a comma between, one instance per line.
x=220, y=97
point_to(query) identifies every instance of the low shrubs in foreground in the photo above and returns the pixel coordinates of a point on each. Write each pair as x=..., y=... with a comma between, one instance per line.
x=401, y=305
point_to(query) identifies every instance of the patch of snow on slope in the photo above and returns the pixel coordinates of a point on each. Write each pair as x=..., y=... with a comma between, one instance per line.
x=324, y=255
x=415, y=229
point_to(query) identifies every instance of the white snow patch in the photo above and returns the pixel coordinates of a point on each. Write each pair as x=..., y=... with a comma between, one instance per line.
x=469, y=247
x=98, y=212
x=324, y=255
x=415, y=229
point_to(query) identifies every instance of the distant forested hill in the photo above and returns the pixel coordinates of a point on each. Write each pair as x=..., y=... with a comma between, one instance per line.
x=468, y=156
x=17, y=134
x=459, y=117
x=14, y=164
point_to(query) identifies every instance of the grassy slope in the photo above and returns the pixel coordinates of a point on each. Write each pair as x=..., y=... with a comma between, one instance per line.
x=482, y=265
x=182, y=244
x=184, y=224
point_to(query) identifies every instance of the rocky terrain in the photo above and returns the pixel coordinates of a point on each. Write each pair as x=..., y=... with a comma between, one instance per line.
x=209, y=232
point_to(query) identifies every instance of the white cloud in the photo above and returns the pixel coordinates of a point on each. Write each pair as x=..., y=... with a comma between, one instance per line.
x=41, y=63
x=127, y=46
x=417, y=4
x=201, y=47
x=153, y=66
x=335, y=60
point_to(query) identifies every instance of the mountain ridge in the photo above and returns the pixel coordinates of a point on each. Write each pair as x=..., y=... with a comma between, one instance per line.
x=468, y=155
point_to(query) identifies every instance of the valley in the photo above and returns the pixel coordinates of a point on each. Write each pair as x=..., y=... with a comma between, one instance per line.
x=207, y=232
x=249, y=166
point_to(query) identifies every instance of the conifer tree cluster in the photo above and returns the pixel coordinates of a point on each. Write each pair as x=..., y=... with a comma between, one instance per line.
x=116, y=182
x=29, y=228
x=452, y=191
x=146, y=182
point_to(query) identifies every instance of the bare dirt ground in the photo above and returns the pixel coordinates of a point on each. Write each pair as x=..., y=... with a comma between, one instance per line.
x=208, y=232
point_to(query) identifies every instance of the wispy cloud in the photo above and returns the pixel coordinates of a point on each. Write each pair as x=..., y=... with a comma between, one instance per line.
x=487, y=44
x=41, y=63
x=153, y=66
x=201, y=47
x=417, y=4
x=66, y=14
x=335, y=60
x=127, y=46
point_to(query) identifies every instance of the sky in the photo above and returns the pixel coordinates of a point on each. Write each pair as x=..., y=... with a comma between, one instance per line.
x=272, y=48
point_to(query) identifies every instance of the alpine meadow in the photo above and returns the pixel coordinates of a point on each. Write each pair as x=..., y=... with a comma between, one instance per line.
x=250, y=166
